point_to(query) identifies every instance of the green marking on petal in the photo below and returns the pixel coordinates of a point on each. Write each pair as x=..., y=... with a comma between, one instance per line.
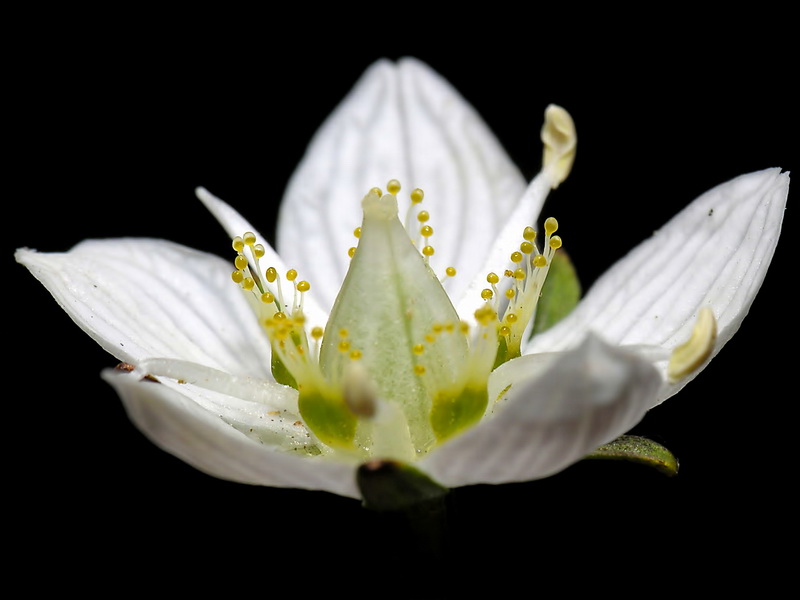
x=328, y=416
x=454, y=412
x=640, y=450
x=560, y=293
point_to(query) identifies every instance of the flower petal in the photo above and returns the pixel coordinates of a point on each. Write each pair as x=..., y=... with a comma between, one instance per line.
x=715, y=252
x=141, y=298
x=174, y=419
x=400, y=121
x=584, y=398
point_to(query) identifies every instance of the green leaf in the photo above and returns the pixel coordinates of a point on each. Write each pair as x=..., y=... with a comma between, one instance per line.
x=560, y=293
x=388, y=485
x=639, y=450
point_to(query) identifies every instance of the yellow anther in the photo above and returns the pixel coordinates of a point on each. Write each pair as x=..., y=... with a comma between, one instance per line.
x=249, y=238
x=485, y=315
x=505, y=330
x=355, y=354
x=418, y=349
x=430, y=338
x=291, y=274
x=493, y=278
x=550, y=226
x=511, y=317
x=508, y=273
x=510, y=293
x=417, y=195
x=423, y=216
x=317, y=333
x=351, y=252
x=539, y=261
x=299, y=319
x=526, y=247
x=519, y=274
x=450, y=271
x=279, y=316
x=428, y=251
x=344, y=346
x=516, y=257
x=267, y=298
x=529, y=234
x=377, y=191
x=248, y=283
x=487, y=294
x=449, y=327
x=690, y=355
x=555, y=242
x=237, y=276
x=464, y=327
x=393, y=186
x=437, y=327
x=419, y=370
x=259, y=251
x=343, y=333
x=357, y=232
x=237, y=243
x=303, y=286
x=426, y=231
x=240, y=262
x=272, y=274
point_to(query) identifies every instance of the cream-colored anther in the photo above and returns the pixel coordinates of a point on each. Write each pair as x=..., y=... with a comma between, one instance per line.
x=358, y=390
x=559, y=139
x=690, y=355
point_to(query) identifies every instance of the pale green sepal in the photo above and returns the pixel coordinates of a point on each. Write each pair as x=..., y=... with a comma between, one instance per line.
x=560, y=293
x=640, y=450
x=280, y=372
x=327, y=415
x=454, y=412
x=388, y=485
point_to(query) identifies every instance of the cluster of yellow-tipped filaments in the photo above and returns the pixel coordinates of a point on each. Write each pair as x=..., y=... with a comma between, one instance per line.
x=448, y=361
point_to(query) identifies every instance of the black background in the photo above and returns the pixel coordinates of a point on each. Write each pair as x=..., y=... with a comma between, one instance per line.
x=114, y=125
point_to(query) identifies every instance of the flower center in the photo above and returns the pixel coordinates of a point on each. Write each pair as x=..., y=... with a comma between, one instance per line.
x=395, y=371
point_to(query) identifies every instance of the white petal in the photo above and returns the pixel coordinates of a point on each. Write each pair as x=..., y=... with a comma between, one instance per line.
x=400, y=121
x=715, y=252
x=235, y=224
x=586, y=397
x=172, y=418
x=142, y=298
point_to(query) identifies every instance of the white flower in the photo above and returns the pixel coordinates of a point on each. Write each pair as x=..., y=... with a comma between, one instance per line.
x=406, y=371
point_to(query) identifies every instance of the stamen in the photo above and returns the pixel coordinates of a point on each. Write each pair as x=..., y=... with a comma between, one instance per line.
x=690, y=355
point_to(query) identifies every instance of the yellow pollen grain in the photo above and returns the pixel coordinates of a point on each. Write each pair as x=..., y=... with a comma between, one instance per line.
x=508, y=273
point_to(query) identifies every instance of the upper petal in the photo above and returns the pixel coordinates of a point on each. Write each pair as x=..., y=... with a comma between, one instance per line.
x=400, y=121
x=141, y=298
x=715, y=252
x=580, y=399
x=178, y=419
